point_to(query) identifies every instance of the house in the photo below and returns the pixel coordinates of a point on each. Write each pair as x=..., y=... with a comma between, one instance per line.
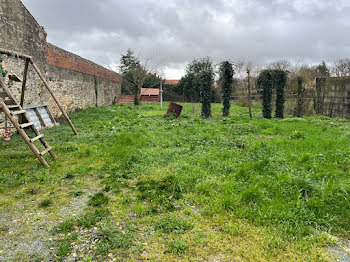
x=147, y=95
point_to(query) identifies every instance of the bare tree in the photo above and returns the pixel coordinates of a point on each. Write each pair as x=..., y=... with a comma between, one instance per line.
x=341, y=67
x=281, y=65
x=135, y=78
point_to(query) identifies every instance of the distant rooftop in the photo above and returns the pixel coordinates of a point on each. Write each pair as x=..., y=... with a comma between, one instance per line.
x=149, y=92
x=172, y=82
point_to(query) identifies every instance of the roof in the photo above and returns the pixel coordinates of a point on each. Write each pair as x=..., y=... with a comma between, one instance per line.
x=172, y=82
x=149, y=91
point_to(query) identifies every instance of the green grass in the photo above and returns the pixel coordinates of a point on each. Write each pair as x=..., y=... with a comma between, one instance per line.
x=235, y=188
x=178, y=247
x=45, y=203
x=98, y=199
x=170, y=223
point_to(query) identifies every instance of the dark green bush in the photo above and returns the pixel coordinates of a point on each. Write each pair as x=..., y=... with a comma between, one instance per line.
x=206, y=82
x=269, y=80
x=226, y=81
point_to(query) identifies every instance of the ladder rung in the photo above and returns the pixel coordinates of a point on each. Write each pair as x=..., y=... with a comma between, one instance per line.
x=36, y=138
x=18, y=112
x=45, y=151
x=13, y=106
x=26, y=125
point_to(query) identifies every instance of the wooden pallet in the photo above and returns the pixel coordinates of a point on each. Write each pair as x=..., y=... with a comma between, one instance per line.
x=12, y=108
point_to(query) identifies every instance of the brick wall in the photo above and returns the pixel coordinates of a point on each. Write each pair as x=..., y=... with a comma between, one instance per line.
x=58, y=57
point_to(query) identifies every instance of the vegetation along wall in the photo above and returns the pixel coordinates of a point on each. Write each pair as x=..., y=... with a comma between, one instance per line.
x=333, y=96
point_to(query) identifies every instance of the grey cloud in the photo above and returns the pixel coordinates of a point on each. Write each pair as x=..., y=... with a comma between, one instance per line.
x=173, y=32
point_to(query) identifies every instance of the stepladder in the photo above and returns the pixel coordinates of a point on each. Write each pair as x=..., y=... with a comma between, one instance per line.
x=25, y=128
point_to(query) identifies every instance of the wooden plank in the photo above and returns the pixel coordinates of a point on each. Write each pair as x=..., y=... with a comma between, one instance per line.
x=18, y=112
x=36, y=138
x=13, y=106
x=43, y=141
x=11, y=53
x=50, y=115
x=24, y=135
x=46, y=151
x=53, y=96
x=42, y=122
x=26, y=125
x=32, y=106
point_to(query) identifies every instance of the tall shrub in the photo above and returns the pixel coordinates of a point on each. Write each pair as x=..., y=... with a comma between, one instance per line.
x=269, y=80
x=266, y=83
x=205, y=78
x=300, y=98
x=280, y=83
x=226, y=80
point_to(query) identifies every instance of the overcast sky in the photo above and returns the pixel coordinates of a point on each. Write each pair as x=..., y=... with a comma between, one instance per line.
x=172, y=32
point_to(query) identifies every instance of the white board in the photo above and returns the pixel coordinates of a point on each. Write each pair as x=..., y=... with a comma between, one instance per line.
x=33, y=118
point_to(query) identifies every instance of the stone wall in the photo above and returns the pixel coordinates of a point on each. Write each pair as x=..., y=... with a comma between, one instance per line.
x=78, y=83
x=20, y=32
x=333, y=96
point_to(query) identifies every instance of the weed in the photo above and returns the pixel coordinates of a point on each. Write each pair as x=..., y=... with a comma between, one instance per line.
x=33, y=191
x=69, y=175
x=91, y=218
x=76, y=192
x=162, y=192
x=64, y=227
x=98, y=199
x=63, y=249
x=173, y=224
x=4, y=228
x=45, y=203
x=87, y=258
x=107, y=188
x=112, y=237
x=297, y=135
x=178, y=247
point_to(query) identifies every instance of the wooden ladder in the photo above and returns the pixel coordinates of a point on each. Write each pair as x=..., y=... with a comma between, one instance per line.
x=12, y=108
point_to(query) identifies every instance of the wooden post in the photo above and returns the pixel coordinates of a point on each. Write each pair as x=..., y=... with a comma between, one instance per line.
x=20, y=119
x=249, y=95
x=24, y=81
x=53, y=96
x=161, y=94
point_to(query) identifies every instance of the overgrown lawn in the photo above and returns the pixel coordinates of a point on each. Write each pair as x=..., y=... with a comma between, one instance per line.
x=170, y=189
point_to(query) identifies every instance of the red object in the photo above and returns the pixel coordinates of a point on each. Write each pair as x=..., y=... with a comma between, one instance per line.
x=149, y=92
x=7, y=138
x=10, y=77
x=174, y=108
